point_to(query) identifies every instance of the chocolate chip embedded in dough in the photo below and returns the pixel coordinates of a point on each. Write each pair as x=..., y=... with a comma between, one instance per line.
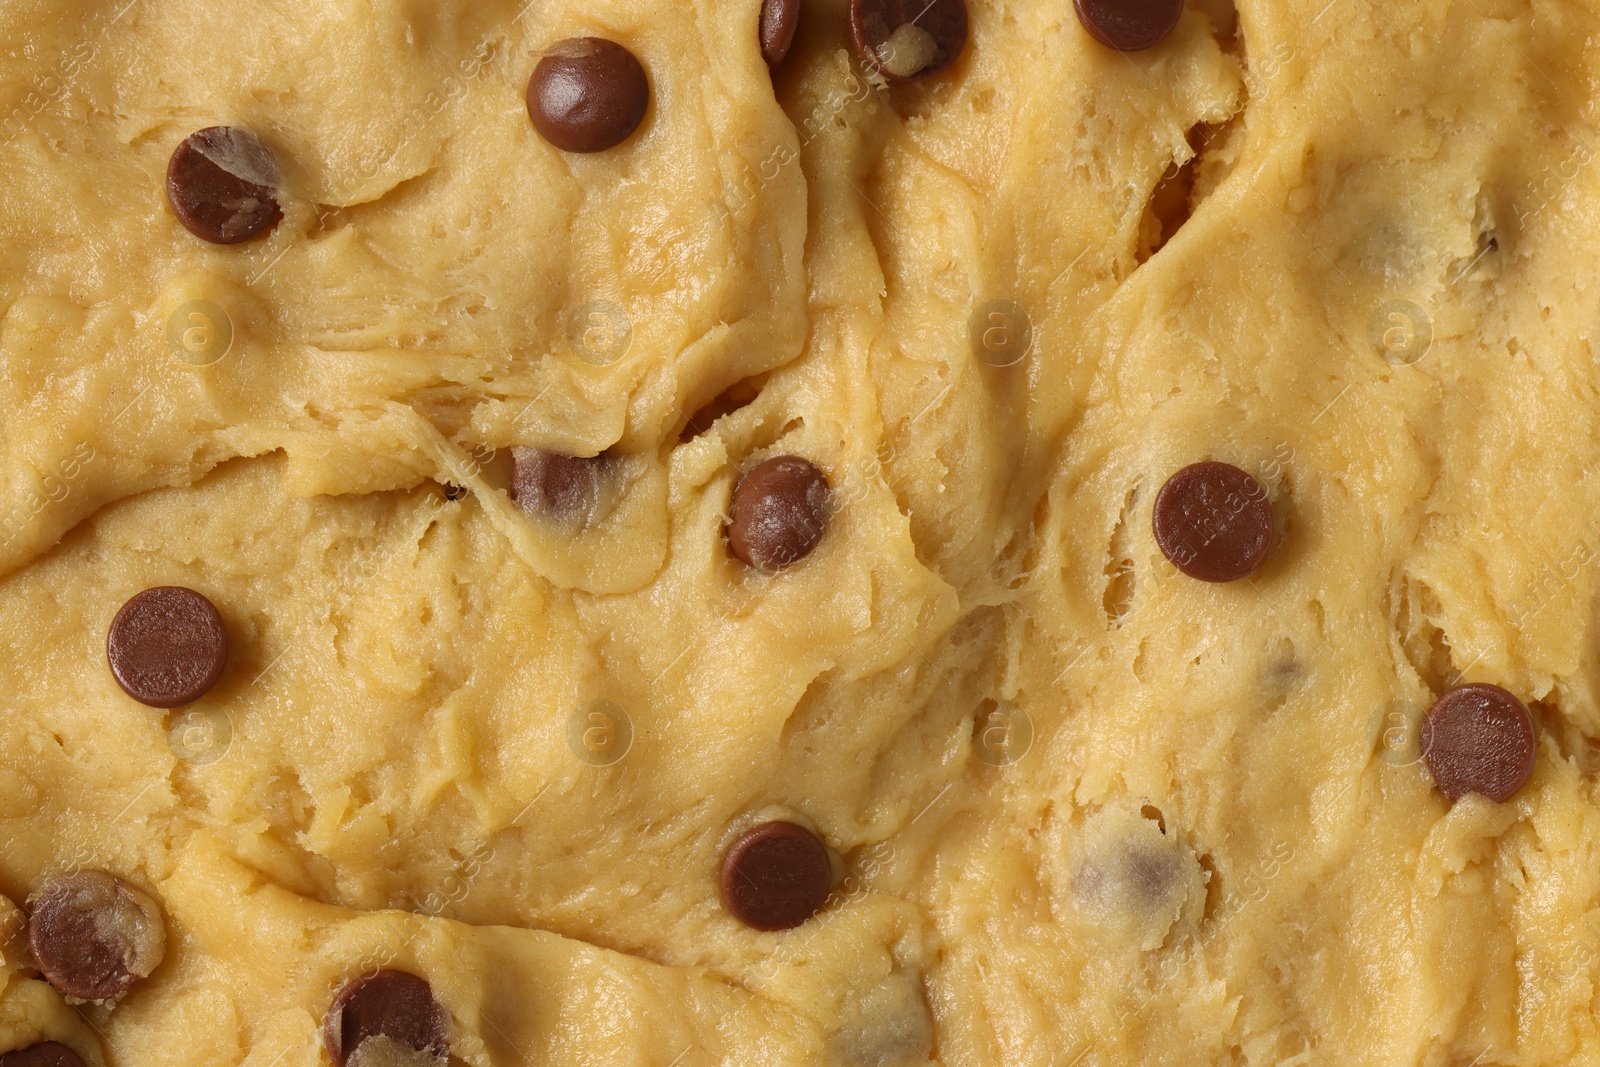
x=587, y=94
x=387, y=1017
x=94, y=936
x=552, y=484
x=167, y=646
x=779, y=19
x=1479, y=738
x=1129, y=25
x=222, y=183
x=1213, y=521
x=776, y=876
x=908, y=38
x=779, y=512
x=44, y=1054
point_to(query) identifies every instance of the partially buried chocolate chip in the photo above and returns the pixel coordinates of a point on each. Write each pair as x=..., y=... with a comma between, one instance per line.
x=779, y=18
x=167, y=646
x=587, y=94
x=908, y=38
x=44, y=1054
x=222, y=183
x=552, y=484
x=1479, y=738
x=776, y=876
x=94, y=935
x=1129, y=25
x=779, y=512
x=387, y=1017
x=1213, y=521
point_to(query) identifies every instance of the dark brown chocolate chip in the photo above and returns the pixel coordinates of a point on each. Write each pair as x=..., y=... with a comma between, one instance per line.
x=167, y=646
x=44, y=1054
x=222, y=183
x=94, y=935
x=779, y=19
x=776, y=876
x=392, y=1008
x=552, y=484
x=1479, y=738
x=1213, y=521
x=908, y=38
x=780, y=509
x=587, y=94
x=1129, y=25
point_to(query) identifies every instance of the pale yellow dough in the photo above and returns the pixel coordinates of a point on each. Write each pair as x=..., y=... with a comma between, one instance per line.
x=1085, y=811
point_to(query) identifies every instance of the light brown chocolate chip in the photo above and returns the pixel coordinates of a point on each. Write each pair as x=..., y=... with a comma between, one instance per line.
x=551, y=484
x=1213, y=521
x=222, y=184
x=776, y=876
x=167, y=646
x=779, y=512
x=1479, y=738
x=94, y=936
x=387, y=1018
x=587, y=94
x=1129, y=25
x=44, y=1054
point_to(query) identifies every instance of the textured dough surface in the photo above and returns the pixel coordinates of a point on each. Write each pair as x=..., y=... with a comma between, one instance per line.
x=1216, y=848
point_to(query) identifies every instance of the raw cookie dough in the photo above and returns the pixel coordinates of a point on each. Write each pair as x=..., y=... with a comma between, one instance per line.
x=1081, y=807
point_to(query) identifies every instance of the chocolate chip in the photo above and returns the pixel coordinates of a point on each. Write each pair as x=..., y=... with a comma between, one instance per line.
x=908, y=38
x=1129, y=25
x=94, y=936
x=390, y=1012
x=1213, y=521
x=779, y=19
x=553, y=484
x=776, y=876
x=1479, y=739
x=587, y=94
x=44, y=1054
x=222, y=183
x=167, y=646
x=780, y=509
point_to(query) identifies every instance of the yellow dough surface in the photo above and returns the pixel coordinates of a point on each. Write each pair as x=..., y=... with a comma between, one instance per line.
x=1082, y=810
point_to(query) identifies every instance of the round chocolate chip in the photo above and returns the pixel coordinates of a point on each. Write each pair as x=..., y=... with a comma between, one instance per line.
x=780, y=509
x=779, y=19
x=1213, y=521
x=587, y=94
x=776, y=876
x=1129, y=25
x=908, y=38
x=94, y=936
x=553, y=484
x=1479, y=738
x=167, y=646
x=222, y=183
x=44, y=1054
x=393, y=1013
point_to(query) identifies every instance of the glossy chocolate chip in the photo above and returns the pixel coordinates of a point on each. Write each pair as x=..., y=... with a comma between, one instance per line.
x=780, y=510
x=222, y=183
x=394, y=1012
x=1213, y=521
x=587, y=94
x=779, y=19
x=94, y=935
x=549, y=483
x=1129, y=25
x=1479, y=738
x=908, y=38
x=167, y=646
x=776, y=876
x=44, y=1054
